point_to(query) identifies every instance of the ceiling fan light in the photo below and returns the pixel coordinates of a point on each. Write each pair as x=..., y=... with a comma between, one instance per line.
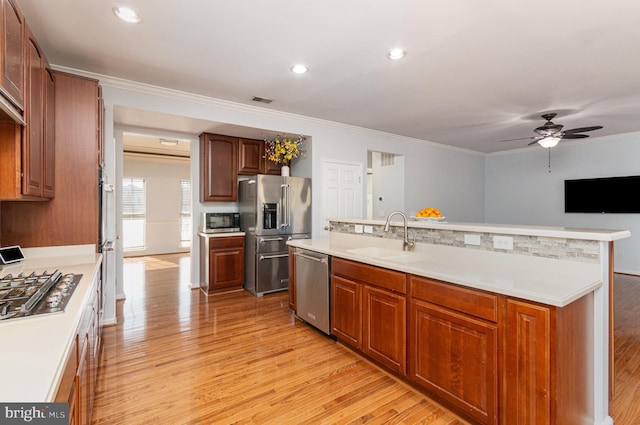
x=549, y=141
x=127, y=15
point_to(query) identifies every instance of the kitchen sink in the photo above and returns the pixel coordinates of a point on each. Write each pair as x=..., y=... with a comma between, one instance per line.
x=388, y=254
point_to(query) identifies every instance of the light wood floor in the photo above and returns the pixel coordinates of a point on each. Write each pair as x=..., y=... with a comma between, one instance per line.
x=178, y=357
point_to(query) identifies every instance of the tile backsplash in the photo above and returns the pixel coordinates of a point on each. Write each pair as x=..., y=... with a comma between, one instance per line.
x=539, y=246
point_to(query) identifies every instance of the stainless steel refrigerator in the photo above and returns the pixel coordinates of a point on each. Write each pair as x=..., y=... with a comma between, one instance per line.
x=273, y=210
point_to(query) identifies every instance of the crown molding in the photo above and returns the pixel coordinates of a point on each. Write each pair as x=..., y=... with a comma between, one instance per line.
x=123, y=84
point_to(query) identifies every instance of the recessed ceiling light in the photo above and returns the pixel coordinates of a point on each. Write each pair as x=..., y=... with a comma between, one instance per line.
x=396, y=54
x=299, y=69
x=127, y=14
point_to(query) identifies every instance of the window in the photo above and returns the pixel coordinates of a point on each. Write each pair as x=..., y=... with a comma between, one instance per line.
x=185, y=213
x=133, y=213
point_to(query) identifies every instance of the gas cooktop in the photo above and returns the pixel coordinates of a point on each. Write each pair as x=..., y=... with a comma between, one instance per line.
x=37, y=293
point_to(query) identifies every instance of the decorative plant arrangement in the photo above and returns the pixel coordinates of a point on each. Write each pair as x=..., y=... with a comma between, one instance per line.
x=283, y=149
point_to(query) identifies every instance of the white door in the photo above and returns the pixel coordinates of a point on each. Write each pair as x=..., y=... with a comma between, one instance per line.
x=342, y=190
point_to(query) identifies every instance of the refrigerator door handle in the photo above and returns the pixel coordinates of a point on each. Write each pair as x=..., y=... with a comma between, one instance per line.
x=268, y=257
x=285, y=206
x=276, y=239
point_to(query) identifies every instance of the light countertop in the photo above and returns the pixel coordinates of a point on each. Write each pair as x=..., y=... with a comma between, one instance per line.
x=36, y=348
x=220, y=235
x=506, y=229
x=549, y=281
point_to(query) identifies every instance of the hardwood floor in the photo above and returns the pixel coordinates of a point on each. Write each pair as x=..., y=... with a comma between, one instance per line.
x=625, y=407
x=178, y=357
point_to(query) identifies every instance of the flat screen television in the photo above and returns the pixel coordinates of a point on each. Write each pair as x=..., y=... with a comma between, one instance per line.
x=602, y=195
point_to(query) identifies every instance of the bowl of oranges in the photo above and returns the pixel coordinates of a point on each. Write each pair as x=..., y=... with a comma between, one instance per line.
x=429, y=214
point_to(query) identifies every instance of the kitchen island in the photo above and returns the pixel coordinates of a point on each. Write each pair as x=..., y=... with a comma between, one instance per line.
x=533, y=320
x=41, y=351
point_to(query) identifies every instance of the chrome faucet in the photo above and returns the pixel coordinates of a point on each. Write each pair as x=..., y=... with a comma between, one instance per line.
x=407, y=245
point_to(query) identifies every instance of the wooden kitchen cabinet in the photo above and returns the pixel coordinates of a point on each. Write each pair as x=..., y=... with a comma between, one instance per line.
x=12, y=56
x=250, y=156
x=385, y=328
x=74, y=209
x=369, y=311
x=29, y=151
x=453, y=346
x=78, y=382
x=49, y=137
x=541, y=369
x=346, y=311
x=226, y=264
x=218, y=168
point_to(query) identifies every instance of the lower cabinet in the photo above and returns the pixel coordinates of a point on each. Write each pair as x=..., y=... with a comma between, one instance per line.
x=385, y=328
x=453, y=346
x=78, y=382
x=346, y=311
x=455, y=357
x=491, y=358
x=547, y=367
x=226, y=263
x=368, y=311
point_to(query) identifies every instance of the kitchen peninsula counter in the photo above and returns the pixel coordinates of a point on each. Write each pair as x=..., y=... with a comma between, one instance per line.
x=544, y=280
x=551, y=284
x=36, y=347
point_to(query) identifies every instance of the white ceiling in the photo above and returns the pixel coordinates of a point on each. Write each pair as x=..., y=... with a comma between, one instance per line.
x=476, y=71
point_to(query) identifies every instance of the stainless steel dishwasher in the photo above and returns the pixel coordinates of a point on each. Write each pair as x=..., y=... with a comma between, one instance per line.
x=312, y=289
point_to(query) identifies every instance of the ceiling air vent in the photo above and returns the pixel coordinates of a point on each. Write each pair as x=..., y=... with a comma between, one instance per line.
x=262, y=100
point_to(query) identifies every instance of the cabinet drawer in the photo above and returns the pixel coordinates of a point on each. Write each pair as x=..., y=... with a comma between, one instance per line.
x=388, y=279
x=457, y=298
x=226, y=242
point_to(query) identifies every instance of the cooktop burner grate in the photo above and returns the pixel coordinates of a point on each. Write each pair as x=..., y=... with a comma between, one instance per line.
x=43, y=293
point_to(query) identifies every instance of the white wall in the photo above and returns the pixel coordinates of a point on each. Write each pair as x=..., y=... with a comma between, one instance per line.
x=451, y=179
x=162, y=177
x=520, y=190
x=388, y=186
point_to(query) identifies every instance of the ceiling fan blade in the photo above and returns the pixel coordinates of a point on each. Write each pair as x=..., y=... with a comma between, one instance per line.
x=575, y=136
x=513, y=140
x=582, y=129
x=534, y=142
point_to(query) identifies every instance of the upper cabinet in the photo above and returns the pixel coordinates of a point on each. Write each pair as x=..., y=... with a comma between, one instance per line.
x=29, y=148
x=222, y=158
x=251, y=156
x=218, y=168
x=33, y=146
x=12, y=59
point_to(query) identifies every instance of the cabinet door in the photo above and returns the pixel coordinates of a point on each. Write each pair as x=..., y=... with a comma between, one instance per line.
x=12, y=56
x=84, y=382
x=385, y=331
x=271, y=167
x=346, y=311
x=49, y=135
x=455, y=357
x=251, y=156
x=527, y=360
x=226, y=264
x=218, y=168
x=32, y=152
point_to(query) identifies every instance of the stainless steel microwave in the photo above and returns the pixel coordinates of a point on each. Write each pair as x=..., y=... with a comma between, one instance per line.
x=220, y=222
